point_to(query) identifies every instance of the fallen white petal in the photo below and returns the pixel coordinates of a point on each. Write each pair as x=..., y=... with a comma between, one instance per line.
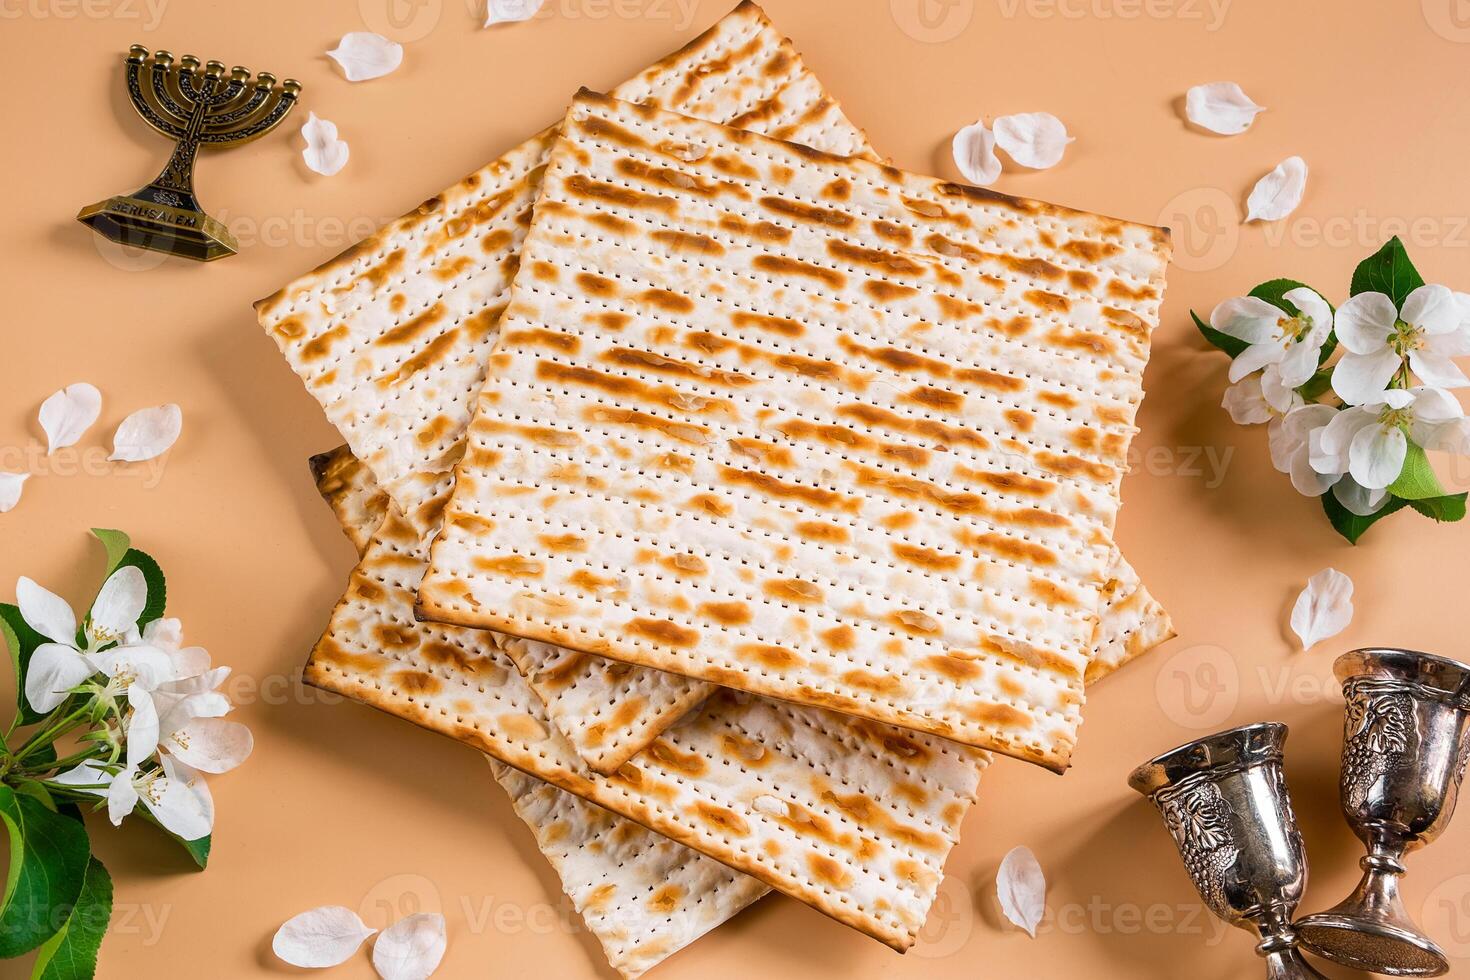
x=411, y=948
x=147, y=433
x=974, y=154
x=1278, y=193
x=325, y=153
x=10, y=487
x=1324, y=608
x=1033, y=139
x=68, y=414
x=364, y=55
x=1021, y=888
x=1221, y=107
x=325, y=936
x=510, y=11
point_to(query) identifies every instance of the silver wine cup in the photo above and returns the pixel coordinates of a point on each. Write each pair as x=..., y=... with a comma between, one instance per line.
x=1406, y=740
x=1225, y=802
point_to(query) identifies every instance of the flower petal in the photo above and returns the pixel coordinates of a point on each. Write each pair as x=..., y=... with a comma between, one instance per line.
x=1360, y=379
x=1279, y=192
x=1377, y=455
x=1281, y=396
x=1245, y=402
x=120, y=602
x=212, y=745
x=54, y=669
x=1452, y=436
x=122, y=796
x=411, y=948
x=1357, y=498
x=364, y=55
x=320, y=937
x=1255, y=357
x=974, y=154
x=1330, y=448
x=147, y=433
x=1033, y=139
x=1021, y=887
x=1299, y=364
x=510, y=11
x=1306, y=480
x=46, y=612
x=142, y=727
x=325, y=153
x=85, y=777
x=1365, y=322
x=180, y=810
x=10, y=488
x=1433, y=309
x=1221, y=107
x=179, y=773
x=1437, y=369
x=68, y=414
x=1248, y=318
x=1324, y=608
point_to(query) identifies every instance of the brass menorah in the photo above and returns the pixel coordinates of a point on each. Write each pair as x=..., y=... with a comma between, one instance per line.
x=195, y=108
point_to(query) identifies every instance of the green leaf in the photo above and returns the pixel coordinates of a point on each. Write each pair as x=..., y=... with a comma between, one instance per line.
x=1221, y=341
x=1388, y=271
x=1416, y=481
x=1352, y=526
x=22, y=642
x=117, y=545
x=48, y=863
x=1274, y=292
x=1317, y=386
x=1447, y=509
x=71, y=954
x=153, y=575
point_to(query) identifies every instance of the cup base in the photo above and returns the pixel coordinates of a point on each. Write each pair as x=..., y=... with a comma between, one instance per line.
x=1372, y=946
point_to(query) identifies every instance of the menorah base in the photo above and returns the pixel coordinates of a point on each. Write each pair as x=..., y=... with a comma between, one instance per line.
x=140, y=221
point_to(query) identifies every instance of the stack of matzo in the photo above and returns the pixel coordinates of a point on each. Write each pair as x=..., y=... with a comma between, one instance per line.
x=665, y=804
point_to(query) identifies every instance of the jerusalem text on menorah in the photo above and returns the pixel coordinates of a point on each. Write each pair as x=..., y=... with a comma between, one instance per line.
x=196, y=108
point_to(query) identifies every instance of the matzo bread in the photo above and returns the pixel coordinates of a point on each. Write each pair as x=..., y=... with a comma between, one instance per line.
x=392, y=336
x=808, y=427
x=852, y=817
x=643, y=896
x=351, y=490
x=611, y=710
x=1132, y=623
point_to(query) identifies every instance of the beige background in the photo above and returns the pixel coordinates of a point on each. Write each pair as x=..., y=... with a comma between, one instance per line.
x=344, y=805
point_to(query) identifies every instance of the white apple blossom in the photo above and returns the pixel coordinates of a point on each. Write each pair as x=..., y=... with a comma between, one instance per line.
x=1371, y=441
x=62, y=664
x=1431, y=329
x=1260, y=398
x=172, y=801
x=1290, y=438
x=1293, y=344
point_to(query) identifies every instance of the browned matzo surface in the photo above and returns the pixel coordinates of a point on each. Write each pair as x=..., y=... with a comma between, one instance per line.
x=806, y=426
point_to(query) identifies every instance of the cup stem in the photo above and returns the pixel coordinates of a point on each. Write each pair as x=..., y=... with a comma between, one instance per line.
x=1288, y=964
